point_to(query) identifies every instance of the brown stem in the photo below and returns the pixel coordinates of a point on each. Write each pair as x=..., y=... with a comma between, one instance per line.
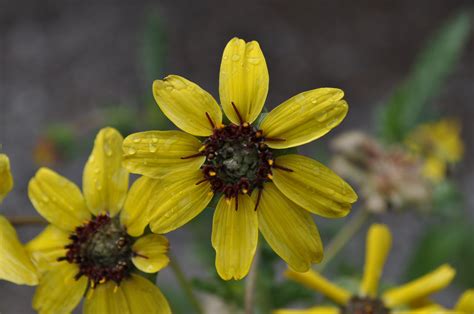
x=27, y=220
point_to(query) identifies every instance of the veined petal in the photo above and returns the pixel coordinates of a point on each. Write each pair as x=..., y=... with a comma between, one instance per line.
x=289, y=229
x=178, y=199
x=6, y=179
x=304, y=117
x=134, y=215
x=187, y=105
x=420, y=288
x=243, y=80
x=234, y=236
x=105, y=181
x=312, y=310
x=156, y=153
x=466, y=302
x=315, y=281
x=58, y=292
x=107, y=298
x=150, y=253
x=48, y=246
x=379, y=242
x=58, y=200
x=313, y=186
x=15, y=264
x=144, y=297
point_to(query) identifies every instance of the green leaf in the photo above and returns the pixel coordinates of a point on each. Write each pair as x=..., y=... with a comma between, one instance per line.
x=408, y=104
x=448, y=200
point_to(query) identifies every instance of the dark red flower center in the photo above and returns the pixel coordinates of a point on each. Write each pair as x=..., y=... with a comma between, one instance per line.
x=363, y=305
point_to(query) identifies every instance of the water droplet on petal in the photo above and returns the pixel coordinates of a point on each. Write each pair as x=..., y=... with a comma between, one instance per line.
x=236, y=57
x=132, y=151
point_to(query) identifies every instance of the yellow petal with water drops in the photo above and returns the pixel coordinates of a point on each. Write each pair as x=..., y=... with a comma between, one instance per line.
x=15, y=263
x=420, y=288
x=304, y=117
x=58, y=200
x=379, y=242
x=58, y=292
x=156, y=153
x=144, y=297
x=150, y=253
x=466, y=302
x=6, y=179
x=107, y=298
x=48, y=246
x=187, y=105
x=105, y=181
x=243, y=80
x=234, y=236
x=180, y=197
x=134, y=215
x=288, y=229
x=312, y=310
x=315, y=281
x=313, y=186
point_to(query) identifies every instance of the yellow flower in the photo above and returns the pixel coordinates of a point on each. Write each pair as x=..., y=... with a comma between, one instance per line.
x=464, y=305
x=261, y=188
x=15, y=263
x=92, y=243
x=367, y=300
x=440, y=144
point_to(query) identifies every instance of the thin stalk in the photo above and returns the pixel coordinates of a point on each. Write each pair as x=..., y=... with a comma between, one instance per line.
x=27, y=220
x=342, y=237
x=251, y=284
x=185, y=285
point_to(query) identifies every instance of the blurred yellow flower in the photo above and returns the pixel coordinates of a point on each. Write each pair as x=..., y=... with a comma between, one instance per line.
x=367, y=300
x=464, y=305
x=92, y=244
x=440, y=144
x=262, y=189
x=6, y=179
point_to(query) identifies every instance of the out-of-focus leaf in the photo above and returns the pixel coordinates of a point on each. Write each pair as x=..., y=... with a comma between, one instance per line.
x=123, y=118
x=407, y=105
x=450, y=243
x=448, y=201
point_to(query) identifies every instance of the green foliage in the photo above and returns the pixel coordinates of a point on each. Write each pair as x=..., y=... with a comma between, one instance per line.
x=123, y=118
x=448, y=201
x=407, y=105
x=64, y=139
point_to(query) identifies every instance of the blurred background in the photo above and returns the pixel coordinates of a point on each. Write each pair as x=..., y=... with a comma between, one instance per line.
x=70, y=68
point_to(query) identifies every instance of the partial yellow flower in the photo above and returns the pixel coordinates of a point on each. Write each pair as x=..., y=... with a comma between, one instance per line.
x=95, y=239
x=440, y=144
x=367, y=300
x=15, y=263
x=464, y=305
x=259, y=187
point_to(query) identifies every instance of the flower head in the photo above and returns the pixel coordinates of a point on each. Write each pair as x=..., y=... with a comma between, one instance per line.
x=95, y=240
x=15, y=263
x=440, y=144
x=242, y=162
x=367, y=300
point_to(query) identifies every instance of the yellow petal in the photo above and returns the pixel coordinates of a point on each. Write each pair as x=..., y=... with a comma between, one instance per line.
x=134, y=215
x=312, y=310
x=315, y=281
x=57, y=199
x=379, y=242
x=313, y=186
x=105, y=181
x=6, y=179
x=107, y=298
x=186, y=104
x=15, y=263
x=466, y=302
x=151, y=253
x=289, y=229
x=304, y=117
x=177, y=200
x=58, y=292
x=420, y=288
x=48, y=246
x=144, y=297
x=156, y=153
x=243, y=80
x=234, y=236
x=431, y=309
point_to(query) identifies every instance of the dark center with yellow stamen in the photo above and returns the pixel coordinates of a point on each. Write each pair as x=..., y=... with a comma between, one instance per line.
x=102, y=249
x=363, y=305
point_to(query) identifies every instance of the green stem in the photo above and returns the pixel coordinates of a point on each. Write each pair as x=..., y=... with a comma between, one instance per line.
x=185, y=285
x=342, y=238
x=27, y=220
x=251, y=284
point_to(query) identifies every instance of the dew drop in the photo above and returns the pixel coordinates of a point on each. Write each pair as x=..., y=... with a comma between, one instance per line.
x=137, y=140
x=236, y=57
x=132, y=151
